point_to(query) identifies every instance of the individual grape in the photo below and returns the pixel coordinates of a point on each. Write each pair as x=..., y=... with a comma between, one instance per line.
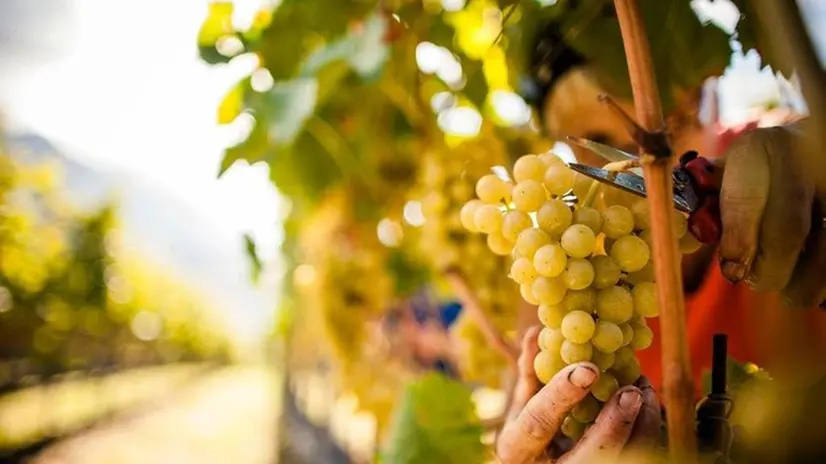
x=648, y=238
x=554, y=216
x=491, y=189
x=642, y=214
x=646, y=274
x=548, y=290
x=526, y=290
x=643, y=337
x=617, y=221
x=629, y=372
x=529, y=167
x=607, y=337
x=559, y=179
x=603, y=360
x=551, y=340
x=551, y=159
x=586, y=410
x=582, y=184
x=552, y=315
x=645, y=299
x=513, y=223
x=615, y=304
x=680, y=224
x=499, y=244
x=467, y=215
x=627, y=333
x=580, y=300
x=590, y=217
x=605, y=387
x=522, y=271
x=624, y=356
x=578, y=274
x=578, y=326
x=575, y=352
x=528, y=195
x=529, y=241
x=606, y=271
x=631, y=253
x=546, y=364
x=550, y=260
x=689, y=243
x=573, y=428
x=488, y=219
x=578, y=241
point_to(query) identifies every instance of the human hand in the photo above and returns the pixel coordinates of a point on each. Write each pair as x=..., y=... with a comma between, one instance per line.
x=767, y=203
x=629, y=422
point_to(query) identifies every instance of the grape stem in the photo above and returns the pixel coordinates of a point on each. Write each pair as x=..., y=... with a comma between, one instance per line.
x=624, y=165
x=676, y=368
x=471, y=304
x=591, y=195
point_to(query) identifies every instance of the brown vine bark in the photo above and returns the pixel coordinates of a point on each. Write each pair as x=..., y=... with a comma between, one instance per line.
x=677, y=382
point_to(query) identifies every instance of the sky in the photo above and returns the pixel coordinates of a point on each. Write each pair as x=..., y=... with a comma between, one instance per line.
x=130, y=92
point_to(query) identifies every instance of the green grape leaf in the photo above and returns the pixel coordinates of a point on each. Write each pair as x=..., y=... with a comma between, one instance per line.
x=252, y=254
x=303, y=171
x=286, y=106
x=435, y=421
x=299, y=27
x=253, y=149
x=217, y=25
x=685, y=51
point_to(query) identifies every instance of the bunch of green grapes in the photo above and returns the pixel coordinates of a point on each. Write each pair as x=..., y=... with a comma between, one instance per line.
x=588, y=269
x=446, y=183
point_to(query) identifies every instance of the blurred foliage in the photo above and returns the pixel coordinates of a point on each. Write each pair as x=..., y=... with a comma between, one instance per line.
x=435, y=422
x=71, y=297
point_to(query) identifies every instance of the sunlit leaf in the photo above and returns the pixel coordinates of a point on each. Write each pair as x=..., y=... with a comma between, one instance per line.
x=233, y=103
x=299, y=27
x=216, y=26
x=253, y=149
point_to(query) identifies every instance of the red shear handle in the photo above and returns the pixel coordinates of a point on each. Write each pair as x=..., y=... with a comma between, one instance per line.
x=707, y=179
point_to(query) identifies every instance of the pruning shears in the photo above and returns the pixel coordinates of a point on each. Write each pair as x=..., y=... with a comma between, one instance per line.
x=696, y=181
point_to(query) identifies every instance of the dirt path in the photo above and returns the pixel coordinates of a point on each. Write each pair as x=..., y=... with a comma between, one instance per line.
x=227, y=418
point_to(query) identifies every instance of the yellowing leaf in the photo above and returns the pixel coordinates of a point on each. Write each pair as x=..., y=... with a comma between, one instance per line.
x=217, y=24
x=233, y=103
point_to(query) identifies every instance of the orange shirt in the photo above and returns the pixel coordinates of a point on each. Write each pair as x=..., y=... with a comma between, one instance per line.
x=719, y=306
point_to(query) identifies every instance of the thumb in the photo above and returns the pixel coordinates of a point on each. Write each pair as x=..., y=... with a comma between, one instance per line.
x=743, y=198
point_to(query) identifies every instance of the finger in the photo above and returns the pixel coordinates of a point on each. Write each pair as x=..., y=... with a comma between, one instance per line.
x=605, y=440
x=807, y=286
x=526, y=437
x=647, y=428
x=526, y=382
x=743, y=197
x=787, y=216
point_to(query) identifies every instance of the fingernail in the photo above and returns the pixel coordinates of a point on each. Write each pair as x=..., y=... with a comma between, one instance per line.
x=630, y=400
x=582, y=376
x=733, y=271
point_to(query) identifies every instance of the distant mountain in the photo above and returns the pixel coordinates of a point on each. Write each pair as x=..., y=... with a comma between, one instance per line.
x=164, y=229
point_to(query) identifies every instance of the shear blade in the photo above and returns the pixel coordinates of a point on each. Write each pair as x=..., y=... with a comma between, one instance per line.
x=628, y=182
x=607, y=153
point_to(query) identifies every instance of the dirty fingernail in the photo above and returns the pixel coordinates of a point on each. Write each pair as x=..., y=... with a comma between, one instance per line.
x=630, y=400
x=583, y=376
x=733, y=270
